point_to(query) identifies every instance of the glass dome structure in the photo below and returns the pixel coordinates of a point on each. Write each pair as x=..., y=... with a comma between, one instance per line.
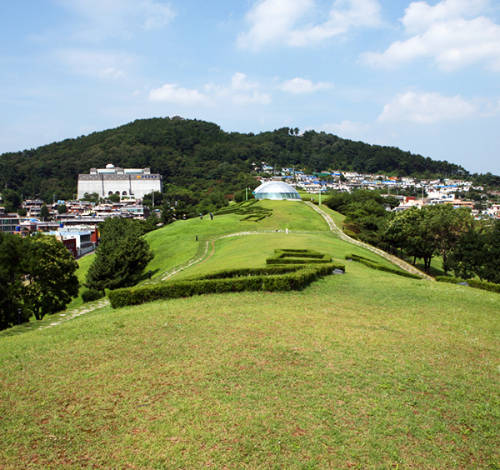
x=277, y=190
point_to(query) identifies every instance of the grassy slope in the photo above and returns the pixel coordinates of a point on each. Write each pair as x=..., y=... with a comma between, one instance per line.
x=355, y=370
x=366, y=370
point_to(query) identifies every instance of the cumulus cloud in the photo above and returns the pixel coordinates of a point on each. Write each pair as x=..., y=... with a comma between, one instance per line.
x=241, y=91
x=289, y=22
x=119, y=17
x=96, y=64
x=450, y=32
x=428, y=108
x=347, y=129
x=173, y=93
x=302, y=85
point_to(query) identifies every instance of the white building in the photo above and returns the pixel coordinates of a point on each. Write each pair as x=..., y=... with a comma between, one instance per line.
x=126, y=182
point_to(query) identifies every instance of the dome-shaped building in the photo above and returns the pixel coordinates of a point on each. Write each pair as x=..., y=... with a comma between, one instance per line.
x=277, y=190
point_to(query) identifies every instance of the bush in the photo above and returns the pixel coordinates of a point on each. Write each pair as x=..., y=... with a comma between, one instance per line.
x=298, y=257
x=374, y=265
x=484, y=285
x=91, y=295
x=281, y=278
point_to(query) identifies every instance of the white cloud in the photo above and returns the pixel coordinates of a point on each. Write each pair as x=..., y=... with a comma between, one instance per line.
x=302, y=85
x=428, y=108
x=282, y=22
x=118, y=17
x=240, y=92
x=449, y=32
x=172, y=93
x=347, y=129
x=96, y=64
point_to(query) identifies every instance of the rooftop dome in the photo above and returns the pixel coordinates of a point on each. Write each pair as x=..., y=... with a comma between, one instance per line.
x=277, y=190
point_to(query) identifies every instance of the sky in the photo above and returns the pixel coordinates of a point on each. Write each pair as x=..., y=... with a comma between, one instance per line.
x=422, y=76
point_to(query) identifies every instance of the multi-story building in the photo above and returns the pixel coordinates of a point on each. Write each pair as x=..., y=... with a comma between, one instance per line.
x=132, y=183
x=8, y=222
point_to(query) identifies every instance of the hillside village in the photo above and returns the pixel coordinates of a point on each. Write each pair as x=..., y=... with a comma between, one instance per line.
x=76, y=225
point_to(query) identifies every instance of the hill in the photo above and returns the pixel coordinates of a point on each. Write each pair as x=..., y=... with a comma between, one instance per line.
x=362, y=370
x=200, y=155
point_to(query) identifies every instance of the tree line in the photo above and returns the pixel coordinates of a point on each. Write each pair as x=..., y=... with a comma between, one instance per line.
x=468, y=247
x=200, y=157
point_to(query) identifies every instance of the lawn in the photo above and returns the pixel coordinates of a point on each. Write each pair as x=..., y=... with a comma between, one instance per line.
x=362, y=370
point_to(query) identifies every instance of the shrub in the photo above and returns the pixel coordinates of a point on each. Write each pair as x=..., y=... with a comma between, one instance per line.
x=374, y=265
x=298, y=257
x=484, y=285
x=281, y=278
x=91, y=295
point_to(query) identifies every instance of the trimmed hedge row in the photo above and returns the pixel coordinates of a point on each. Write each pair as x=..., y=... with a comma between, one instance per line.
x=252, y=214
x=91, y=295
x=374, y=265
x=293, y=280
x=484, y=285
x=283, y=256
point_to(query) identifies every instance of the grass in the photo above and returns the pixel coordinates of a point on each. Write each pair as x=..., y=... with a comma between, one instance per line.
x=352, y=372
x=364, y=370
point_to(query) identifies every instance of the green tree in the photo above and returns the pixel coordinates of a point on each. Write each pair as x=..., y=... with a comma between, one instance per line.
x=93, y=197
x=12, y=257
x=62, y=209
x=446, y=225
x=50, y=270
x=11, y=200
x=44, y=212
x=469, y=257
x=121, y=256
x=114, y=197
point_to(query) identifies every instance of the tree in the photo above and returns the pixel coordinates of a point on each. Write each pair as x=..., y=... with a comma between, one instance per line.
x=93, y=197
x=121, y=256
x=11, y=200
x=408, y=230
x=469, y=256
x=114, y=197
x=446, y=225
x=62, y=209
x=44, y=212
x=50, y=270
x=12, y=255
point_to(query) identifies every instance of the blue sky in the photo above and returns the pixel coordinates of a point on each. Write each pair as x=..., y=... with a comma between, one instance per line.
x=422, y=76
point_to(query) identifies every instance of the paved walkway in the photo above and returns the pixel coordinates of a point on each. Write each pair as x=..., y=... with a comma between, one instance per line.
x=77, y=312
x=393, y=259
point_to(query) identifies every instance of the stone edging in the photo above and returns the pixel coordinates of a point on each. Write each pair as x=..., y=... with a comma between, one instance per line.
x=393, y=259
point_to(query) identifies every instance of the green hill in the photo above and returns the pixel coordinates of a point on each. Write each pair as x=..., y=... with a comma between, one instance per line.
x=361, y=370
x=199, y=155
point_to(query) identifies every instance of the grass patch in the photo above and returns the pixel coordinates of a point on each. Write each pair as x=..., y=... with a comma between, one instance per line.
x=384, y=373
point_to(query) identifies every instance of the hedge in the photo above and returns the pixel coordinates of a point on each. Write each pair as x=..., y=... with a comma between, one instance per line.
x=374, y=265
x=91, y=295
x=484, y=285
x=238, y=281
x=286, y=256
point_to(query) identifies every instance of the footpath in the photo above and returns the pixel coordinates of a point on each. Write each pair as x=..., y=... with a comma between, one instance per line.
x=393, y=259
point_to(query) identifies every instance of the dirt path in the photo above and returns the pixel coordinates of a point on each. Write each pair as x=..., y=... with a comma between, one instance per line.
x=393, y=259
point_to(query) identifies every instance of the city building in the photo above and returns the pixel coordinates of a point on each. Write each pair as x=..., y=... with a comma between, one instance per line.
x=8, y=222
x=132, y=183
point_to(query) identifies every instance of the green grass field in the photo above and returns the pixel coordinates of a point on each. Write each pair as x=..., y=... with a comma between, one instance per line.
x=363, y=370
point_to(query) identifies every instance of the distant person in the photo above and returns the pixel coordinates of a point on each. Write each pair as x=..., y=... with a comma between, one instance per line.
x=201, y=216
x=183, y=216
x=211, y=216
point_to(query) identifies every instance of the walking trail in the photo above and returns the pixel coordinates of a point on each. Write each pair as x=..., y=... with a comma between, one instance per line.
x=393, y=259
x=198, y=259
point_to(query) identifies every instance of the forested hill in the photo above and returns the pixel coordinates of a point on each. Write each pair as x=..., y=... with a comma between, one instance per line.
x=189, y=152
